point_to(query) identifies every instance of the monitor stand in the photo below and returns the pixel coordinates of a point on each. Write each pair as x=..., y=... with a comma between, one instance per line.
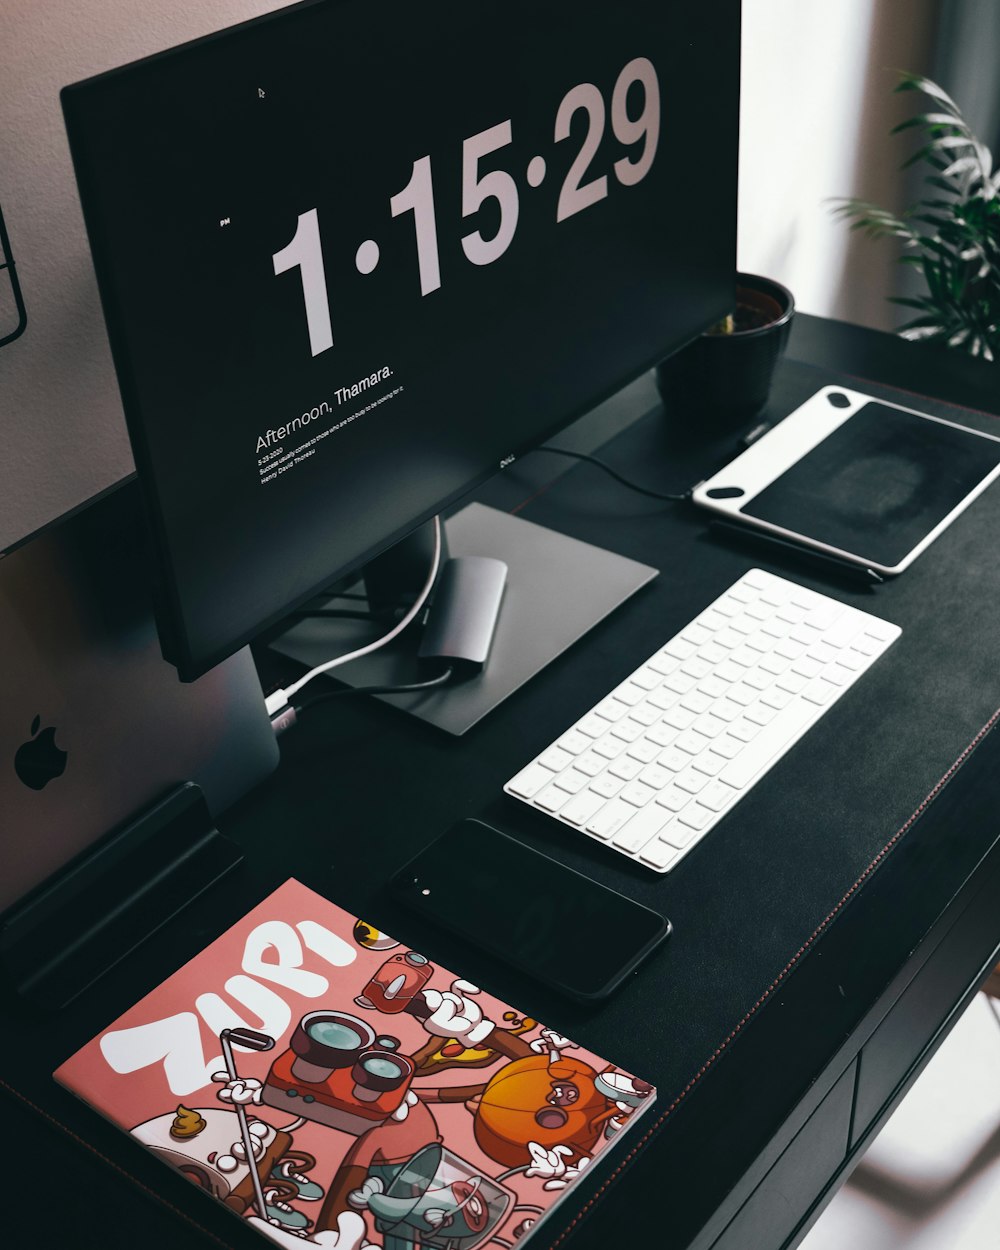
x=558, y=588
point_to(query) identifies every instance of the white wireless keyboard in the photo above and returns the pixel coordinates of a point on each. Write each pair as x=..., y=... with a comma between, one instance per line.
x=660, y=760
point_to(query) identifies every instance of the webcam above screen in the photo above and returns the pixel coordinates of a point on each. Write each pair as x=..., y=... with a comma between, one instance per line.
x=352, y=266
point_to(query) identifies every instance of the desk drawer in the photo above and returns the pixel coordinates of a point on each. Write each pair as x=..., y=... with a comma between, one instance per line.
x=787, y=1193
x=911, y=1028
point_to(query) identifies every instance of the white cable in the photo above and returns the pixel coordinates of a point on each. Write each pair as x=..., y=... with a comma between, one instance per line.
x=279, y=699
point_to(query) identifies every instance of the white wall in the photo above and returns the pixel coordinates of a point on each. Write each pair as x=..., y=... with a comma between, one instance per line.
x=817, y=108
x=61, y=426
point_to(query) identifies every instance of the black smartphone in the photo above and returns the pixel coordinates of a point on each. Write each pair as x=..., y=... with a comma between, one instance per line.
x=547, y=920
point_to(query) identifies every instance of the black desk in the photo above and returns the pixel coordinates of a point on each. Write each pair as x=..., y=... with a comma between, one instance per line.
x=826, y=935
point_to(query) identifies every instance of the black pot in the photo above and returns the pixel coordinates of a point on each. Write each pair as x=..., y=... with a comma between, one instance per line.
x=721, y=381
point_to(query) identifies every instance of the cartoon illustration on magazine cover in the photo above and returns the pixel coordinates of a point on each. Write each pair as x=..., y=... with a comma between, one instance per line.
x=402, y=1117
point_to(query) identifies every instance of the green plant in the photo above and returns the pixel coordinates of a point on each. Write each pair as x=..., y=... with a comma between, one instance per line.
x=952, y=234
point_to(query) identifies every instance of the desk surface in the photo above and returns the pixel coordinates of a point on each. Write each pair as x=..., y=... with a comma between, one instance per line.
x=793, y=921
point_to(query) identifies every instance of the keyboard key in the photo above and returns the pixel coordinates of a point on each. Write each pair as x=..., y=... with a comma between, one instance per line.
x=744, y=729
x=646, y=679
x=630, y=693
x=793, y=682
x=709, y=763
x=744, y=625
x=673, y=799
x=679, y=682
x=642, y=828
x=807, y=667
x=572, y=781
x=574, y=742
x=819, y=691
x=673, y=759
x=627, y=768
x=593, y=726
x=609, y=746
x=724, y=641
x=727, y=746
x=637, y=794
x=729, y=671
x=691, y=780
x=646, y=714
x=582, y=807
x=717, y=796
x=697, y=702
x=680, y=649
x=610, y=819
x=556, y=759
x=662, y=698
x=551, y=798
x=663, y=664
x=742, y=694
x=713, y=686
x=611, y=709
x=628, y=730
x=759, y=714
x=662, y=735
x=776, y=698
x=709, y=725
x=727, y=710
x=656, y=776
x=837, y=674
x=658, y=853
x=759, y=679
x=696, y=668
x=644, y=751
x=590, y=763
x=697, y=634
x=845, y=629
x=607, y=785
x=680, y=836
x=691, y=742
x=678, y=717
x=695, y=816
x=824, y=614
x=530, y=780
x=821, y=653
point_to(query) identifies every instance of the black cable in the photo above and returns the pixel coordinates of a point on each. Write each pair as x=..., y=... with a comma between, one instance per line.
x=642, y=490
x=411, y=687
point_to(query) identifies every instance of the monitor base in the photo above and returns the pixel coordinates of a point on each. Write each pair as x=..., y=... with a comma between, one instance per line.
x=558, y=588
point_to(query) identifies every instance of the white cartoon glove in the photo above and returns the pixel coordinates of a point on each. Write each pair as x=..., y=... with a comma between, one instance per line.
x=455, y=1014
x=403, y=1110
x=358, y=1198
x=552, y=1165
x=240, y=1089
x=551, y=1041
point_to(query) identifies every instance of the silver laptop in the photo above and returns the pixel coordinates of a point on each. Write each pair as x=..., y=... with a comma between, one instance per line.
x=94, y=724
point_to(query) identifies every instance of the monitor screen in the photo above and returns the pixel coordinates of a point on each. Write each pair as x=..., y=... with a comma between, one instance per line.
x=355, y=258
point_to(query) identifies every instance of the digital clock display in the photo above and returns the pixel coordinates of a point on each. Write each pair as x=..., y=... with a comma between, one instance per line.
x=354, y=257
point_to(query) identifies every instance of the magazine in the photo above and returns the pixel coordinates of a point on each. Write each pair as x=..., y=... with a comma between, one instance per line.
x=334, y=1088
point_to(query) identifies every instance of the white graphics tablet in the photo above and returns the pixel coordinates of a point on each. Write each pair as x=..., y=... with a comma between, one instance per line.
x=856, y=478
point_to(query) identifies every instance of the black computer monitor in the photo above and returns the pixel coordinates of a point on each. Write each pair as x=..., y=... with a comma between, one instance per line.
x=355, y=257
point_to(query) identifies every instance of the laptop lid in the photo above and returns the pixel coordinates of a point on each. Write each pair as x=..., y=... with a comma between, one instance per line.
x=95, y=725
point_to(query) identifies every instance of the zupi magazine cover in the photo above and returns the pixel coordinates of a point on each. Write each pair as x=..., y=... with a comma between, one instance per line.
x=383, y=1101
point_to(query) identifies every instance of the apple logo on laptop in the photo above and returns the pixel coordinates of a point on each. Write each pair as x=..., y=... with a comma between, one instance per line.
x=39, y=760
